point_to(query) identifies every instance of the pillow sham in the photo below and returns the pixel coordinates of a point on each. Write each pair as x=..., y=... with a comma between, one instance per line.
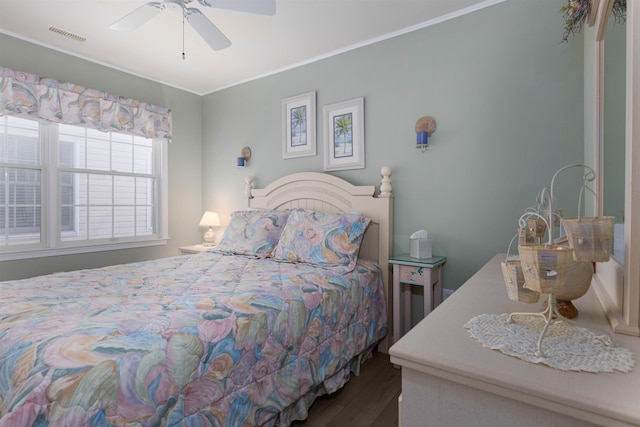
x=330, y=240
x=253, y=232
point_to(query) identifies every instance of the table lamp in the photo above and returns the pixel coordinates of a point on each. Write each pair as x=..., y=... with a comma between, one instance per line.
x=210, y=219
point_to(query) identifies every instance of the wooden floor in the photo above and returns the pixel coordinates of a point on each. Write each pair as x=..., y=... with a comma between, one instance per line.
x=368, y=400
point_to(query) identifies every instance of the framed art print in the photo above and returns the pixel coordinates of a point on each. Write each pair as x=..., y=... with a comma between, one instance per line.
x=299, y=126
x=344, y=135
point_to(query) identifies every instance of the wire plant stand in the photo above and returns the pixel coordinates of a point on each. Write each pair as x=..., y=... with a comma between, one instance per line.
x=549, y=314
x=546, y=266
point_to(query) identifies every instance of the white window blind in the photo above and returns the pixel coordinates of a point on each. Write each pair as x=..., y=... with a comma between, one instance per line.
x=20, y=182
x=66, y=189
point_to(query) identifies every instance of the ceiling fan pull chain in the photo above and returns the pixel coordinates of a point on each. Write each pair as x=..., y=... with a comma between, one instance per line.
x=183, y=11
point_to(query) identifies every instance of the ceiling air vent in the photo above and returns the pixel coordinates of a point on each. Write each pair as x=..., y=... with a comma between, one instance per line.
x=68, y=34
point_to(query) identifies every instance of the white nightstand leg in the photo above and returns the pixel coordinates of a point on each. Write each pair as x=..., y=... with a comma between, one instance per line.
x=396, y=303
x=406, y=288
x=437, y=289
x=428, y=291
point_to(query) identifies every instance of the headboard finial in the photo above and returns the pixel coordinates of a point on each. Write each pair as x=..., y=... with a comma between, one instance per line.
x=248, y=186
x=385, y=185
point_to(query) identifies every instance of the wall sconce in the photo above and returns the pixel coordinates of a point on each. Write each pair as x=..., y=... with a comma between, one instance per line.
x=243, y=160
x=210, y=219
x=425, y=127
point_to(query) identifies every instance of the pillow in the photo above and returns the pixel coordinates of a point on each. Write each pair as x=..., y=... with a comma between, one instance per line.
x=329, y=240
x=253, y=232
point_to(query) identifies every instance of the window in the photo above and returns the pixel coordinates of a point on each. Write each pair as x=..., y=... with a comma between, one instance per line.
x=67, y=189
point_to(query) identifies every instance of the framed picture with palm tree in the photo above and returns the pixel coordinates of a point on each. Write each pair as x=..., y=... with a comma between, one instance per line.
x=344, y=135
x=299, y=126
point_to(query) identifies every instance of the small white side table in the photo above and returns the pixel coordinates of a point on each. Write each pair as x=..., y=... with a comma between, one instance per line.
x=421, y=272
x=194, y=249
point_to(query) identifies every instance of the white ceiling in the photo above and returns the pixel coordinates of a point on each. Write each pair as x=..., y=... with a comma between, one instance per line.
x=300, y=32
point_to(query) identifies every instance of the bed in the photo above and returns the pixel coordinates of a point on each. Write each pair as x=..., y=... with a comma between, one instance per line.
x=249, y=334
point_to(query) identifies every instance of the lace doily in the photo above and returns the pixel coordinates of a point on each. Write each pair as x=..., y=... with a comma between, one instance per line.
x=566, y=347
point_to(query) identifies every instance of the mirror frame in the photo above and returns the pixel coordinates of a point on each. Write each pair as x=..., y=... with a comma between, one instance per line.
x=617, y=285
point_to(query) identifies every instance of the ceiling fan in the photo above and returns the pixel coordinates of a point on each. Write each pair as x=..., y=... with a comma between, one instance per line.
x=203, y=26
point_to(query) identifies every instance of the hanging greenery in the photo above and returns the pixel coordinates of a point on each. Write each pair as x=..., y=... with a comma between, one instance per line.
x=575, y=13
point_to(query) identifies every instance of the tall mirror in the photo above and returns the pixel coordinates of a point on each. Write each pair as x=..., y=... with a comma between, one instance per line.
x=617, y=282
x=613, y=149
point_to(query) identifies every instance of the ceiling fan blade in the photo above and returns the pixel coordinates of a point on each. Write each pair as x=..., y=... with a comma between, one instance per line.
x=260, y=7
x=209, y=32
x=139, y=16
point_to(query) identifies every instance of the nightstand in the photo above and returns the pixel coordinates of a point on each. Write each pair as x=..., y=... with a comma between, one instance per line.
x=409, y=271
x=194, y=249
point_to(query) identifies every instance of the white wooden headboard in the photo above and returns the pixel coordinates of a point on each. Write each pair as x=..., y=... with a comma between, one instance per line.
x=327, y=193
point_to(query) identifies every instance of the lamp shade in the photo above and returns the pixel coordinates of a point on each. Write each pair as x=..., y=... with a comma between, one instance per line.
x=210, y=219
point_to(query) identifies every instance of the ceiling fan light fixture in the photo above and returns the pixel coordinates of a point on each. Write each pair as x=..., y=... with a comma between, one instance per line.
x=174, y=4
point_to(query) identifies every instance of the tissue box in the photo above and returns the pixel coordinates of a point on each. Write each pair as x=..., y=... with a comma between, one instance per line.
x=420, y=248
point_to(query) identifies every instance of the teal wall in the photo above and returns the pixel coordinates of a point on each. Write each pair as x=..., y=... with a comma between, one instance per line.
x=507, y=95
x=184, y=152
x=508, y=99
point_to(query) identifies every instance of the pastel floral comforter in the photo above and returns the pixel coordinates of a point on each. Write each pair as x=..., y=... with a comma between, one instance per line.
x=201, y=340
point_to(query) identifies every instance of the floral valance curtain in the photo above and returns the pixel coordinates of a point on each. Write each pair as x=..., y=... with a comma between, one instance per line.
x=61, y=102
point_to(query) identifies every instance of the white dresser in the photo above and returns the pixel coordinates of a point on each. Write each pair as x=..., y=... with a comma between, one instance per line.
x=450, y=379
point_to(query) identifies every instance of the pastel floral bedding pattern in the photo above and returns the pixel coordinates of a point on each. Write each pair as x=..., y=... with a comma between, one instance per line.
x=325, y=239
x=253, y=232
x=200, y=340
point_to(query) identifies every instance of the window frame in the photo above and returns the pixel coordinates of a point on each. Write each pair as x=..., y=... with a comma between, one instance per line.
x=51, y=243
